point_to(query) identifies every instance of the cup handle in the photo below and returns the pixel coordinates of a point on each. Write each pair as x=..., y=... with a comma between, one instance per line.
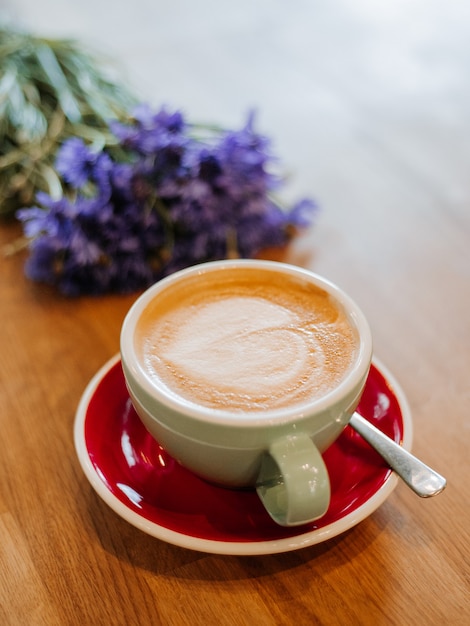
x=293, y=482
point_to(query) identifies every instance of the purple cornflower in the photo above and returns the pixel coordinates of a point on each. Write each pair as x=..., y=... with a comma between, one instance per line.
x=79, y=166
x=173, y=201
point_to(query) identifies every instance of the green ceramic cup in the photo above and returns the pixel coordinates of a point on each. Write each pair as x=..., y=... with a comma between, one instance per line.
x=277, y=451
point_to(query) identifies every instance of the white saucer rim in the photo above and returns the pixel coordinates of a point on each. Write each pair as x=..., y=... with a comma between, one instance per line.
x=234, y=548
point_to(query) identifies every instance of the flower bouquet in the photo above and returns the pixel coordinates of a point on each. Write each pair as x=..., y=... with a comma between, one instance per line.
x=158, y=195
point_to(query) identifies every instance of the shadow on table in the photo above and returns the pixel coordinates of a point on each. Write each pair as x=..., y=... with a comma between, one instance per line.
x=132, y=545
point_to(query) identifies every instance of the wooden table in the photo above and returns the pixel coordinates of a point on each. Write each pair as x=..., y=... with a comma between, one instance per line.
x=371, y=111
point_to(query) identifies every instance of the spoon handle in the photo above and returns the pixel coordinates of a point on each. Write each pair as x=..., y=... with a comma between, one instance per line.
x=422, y=479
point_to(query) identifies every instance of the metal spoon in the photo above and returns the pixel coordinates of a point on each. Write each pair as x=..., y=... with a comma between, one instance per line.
x=422, y=479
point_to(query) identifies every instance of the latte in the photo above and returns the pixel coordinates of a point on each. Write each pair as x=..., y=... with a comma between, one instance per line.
x=245, y=340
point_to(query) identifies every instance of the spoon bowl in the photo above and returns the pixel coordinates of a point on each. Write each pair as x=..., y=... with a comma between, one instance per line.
x=423, y=480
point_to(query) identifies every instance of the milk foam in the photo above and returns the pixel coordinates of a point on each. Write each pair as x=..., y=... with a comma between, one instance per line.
x=242, y=348
x=250, y=341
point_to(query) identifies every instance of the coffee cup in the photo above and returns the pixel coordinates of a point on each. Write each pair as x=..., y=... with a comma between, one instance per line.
x=245, y=372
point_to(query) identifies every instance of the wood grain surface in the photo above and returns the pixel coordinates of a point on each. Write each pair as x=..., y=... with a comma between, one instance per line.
x=369, y=108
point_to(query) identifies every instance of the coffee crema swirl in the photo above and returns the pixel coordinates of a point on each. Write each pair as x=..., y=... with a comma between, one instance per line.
x=244, y=340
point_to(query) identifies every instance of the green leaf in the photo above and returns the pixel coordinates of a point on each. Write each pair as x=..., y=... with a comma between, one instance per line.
x=53, y=71
x=6, y=82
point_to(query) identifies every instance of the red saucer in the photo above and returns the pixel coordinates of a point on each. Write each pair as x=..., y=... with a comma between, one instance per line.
x=144, y=485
